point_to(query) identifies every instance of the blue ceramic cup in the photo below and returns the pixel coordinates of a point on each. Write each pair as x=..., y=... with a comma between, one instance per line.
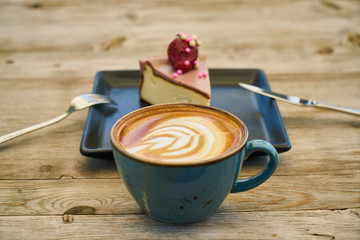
x=186, y=191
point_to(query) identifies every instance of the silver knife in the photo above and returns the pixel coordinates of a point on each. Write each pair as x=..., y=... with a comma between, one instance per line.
x=297, y=100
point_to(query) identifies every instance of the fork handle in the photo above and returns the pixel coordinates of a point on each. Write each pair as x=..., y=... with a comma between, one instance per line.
x=338, y=108
x=20, y=132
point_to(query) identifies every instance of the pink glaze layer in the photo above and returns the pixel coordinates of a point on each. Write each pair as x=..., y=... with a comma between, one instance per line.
x=163, y=68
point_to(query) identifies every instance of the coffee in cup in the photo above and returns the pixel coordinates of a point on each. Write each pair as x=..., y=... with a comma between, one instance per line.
x=179, y=161
x=180, y=135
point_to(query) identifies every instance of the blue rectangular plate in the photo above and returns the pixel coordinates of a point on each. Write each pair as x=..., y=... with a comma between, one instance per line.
x=260, y=114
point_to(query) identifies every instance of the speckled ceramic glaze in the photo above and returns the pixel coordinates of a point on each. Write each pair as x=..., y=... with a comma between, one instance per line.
x=183, y=193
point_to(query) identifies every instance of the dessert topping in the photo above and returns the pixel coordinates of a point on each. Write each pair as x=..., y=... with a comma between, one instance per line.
x=183, y=53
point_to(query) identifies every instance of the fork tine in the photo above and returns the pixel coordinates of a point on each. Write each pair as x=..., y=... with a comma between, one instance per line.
x=93, y=95
x=97, y=98
x=104, y=98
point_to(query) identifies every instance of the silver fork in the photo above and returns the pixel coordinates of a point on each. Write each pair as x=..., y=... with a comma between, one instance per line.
x=77, y=103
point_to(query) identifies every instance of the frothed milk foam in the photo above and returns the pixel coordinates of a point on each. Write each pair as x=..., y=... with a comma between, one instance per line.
x=179, y=135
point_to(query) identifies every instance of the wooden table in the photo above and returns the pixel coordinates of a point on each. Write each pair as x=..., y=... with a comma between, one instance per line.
x=51, y=50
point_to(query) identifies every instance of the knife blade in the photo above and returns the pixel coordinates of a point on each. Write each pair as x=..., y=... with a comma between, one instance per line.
x=297, y=100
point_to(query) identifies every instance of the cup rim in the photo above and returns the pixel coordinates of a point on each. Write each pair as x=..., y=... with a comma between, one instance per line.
x=208, y=161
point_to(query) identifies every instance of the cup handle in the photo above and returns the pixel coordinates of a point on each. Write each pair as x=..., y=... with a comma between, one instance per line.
x=252, y=146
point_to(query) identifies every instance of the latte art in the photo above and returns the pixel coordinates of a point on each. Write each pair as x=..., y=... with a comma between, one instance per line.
x=183, y=138
x=180, y=137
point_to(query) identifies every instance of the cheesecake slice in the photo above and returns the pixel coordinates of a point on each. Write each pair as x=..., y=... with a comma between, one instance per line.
x=160, y=84
x=181, y=76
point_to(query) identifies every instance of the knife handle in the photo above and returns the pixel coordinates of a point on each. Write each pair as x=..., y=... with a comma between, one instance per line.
x=338, y=108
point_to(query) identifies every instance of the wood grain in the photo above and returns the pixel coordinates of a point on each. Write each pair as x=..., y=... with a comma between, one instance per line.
x=319, y=224
x=109, y=196
x=277, y=36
